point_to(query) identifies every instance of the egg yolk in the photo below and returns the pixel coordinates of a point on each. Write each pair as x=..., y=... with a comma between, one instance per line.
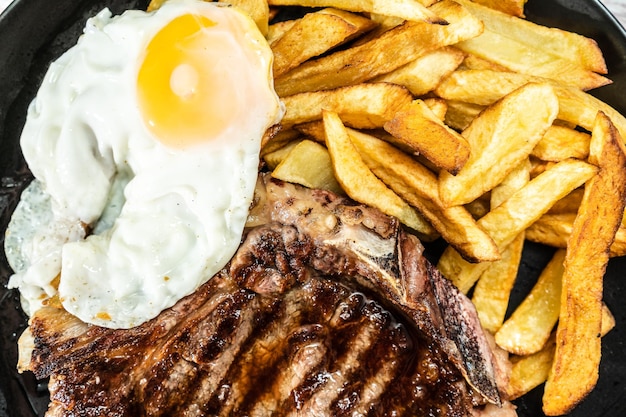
x=181, y=96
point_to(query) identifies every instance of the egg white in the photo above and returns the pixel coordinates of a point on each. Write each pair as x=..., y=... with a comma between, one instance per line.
x=182, y=211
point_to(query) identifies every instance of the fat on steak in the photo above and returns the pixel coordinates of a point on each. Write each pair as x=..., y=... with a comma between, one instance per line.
x=329, y=308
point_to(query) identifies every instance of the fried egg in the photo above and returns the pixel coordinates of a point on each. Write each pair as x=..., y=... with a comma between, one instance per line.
x=144, y=140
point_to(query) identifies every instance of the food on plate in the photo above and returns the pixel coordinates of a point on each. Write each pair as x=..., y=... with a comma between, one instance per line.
x=574, y=371
x=418, y=127
x=392, y=49
x=308, y=163
x=319, y=288
x=499, y=142
x=143, y=119
x=360, y=183
x=319, y=31
x=507, y=59
x=462, y=124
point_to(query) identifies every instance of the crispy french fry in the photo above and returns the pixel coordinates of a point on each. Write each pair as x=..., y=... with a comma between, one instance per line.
x=279, y=140
x=574, y=371
x=460, y=114
x=418, y=186
x=554, y=230
x=418, y=128
x=258, y=10
x=483, y=86
x=499, y=142
x=566, y=45
x=367, y=105
x=154, y=4
x=526, y=59
x=608, y=320
x=405, y=9
x=581, y=108
x=493, y=289
x=315, y=34
x=277, y=29
x=568, y=204
x=393, y=49
x=561, y=142
x=479, y=207
x=314, y=130
x=473, y=62
x=530, y=325
x=438, y=106
x=360, y=183
x=308, y=163
x=426, y=72
x=513, y=216
x=530, y=371
x=512, y=7
x=272, y=159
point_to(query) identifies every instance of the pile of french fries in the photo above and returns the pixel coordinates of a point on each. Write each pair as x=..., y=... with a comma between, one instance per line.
x=471, y=124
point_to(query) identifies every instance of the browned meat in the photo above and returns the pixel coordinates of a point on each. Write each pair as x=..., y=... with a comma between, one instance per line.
x=327, y=309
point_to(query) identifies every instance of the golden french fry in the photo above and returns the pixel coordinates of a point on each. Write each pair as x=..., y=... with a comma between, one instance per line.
x=518, y=212
x=499, y=142
x=383, y=24
x=493, y=289
x=554, y=230
x=561, y=142
x=460, y=114
x=531, y=60
x=426, y=72
x=530, y=325
x=418, y=128
x=154, y=4
x=391, y=50
x=360, y=183
x=566, y=45
x=574, y=371
x=530, y=371
x=258, y=10
x=517, y=179
x=473, y=62
x=315, y=34
x=314, y=130
x=608, y=320
x=483, y=86
x=568, y=204
x=581, y=109
x=512, y=7
x=418, y=186
x=277, y=29
x=405, y=9
x=272, y=159
x=308, y=163
x=279, y=140
x=367, y=105
x=438, y=106
x=479, y=207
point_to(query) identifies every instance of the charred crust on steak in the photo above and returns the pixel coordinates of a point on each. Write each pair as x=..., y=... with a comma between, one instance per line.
x=328, y=308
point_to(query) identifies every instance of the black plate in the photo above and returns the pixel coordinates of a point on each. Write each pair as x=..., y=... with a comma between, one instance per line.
x=34, y=32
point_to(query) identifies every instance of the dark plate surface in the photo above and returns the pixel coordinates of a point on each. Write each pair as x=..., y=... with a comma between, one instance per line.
x=34, y=32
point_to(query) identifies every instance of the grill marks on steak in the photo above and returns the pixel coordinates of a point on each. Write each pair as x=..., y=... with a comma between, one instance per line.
x=327, y=309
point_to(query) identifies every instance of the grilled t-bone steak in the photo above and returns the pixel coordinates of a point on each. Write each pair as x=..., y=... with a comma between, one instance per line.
x=328, y=308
